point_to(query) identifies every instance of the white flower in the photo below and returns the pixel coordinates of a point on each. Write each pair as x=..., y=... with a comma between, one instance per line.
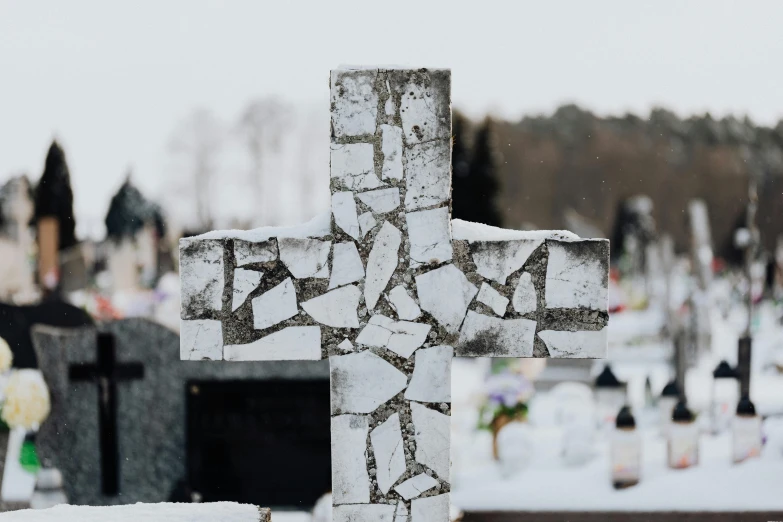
x=26, y=400
x=6, y=356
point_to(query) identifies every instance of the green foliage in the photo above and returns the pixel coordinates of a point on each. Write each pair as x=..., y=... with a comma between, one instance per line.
x=475, y=173
x=491, y=412
x=28, y=457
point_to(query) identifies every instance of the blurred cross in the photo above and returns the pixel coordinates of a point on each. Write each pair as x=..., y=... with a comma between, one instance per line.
x=390, y=289
x=105, y=373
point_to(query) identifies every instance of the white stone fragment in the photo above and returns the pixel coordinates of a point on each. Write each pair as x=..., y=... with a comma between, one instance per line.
x=389, y=452
x=391, y=146
x=582, y=344
x=497, y=260
x=432, y=434
x=201, y=339
x=354, y=101
x=431, y=380
x=344, y=211
x=430, y=236
x=415, y=486
x=401, y=515
x=363, y=381
x=275, y=305
x=407, y=337
x=381, y=262
x=445, y=293
x=346, y=345
x=430, y=509
x=201, y=274
x=492, y=298
x=350, y=480
x=305, y=257
x=485, y=336
x=336, y=308
x=577, y=275
x=381, y=201
x=377, y=332
x=403, y=304
x=424, y=112
x=366, y=223
x=401, y=337
x=524, y=298
x=293, y=343
x=428, y=169
x=246, y=252
x=364, y=513
x=354, y=165
x=346, y=265
x=245, y=281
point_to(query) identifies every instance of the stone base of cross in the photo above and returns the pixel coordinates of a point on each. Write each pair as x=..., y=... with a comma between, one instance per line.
x=390, y=289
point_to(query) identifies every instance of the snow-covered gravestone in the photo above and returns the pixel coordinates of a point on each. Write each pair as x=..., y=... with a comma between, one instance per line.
x=389, y=289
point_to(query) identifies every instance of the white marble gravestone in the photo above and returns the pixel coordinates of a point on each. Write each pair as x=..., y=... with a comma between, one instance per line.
x=390, y=289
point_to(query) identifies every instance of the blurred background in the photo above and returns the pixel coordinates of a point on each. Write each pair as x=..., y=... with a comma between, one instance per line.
x=124, y=127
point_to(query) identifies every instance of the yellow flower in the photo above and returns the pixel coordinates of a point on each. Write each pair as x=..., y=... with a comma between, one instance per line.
x=26, y=400
x=6, y=356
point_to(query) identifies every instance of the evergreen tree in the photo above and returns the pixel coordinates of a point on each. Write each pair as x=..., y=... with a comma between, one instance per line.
x=460, y=166
x=475, y=187
x=54, y=197
x=129, y=211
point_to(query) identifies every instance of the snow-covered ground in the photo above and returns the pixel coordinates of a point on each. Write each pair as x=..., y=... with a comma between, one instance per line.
x=218, y=511
x=637, y=352
x=547, y=484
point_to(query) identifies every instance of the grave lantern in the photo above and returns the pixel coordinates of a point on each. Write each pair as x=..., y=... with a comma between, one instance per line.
x=746, y=431
x=683, y=443
x=725, y=395
x=666, y=402
x=626, y=451
x=610, y=395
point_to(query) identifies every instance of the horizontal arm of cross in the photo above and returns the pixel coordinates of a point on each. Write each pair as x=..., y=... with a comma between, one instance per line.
x=390, y=288
x=122, y=372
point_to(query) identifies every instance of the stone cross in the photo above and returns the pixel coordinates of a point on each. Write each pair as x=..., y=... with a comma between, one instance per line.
x=390, y=289
x=105, y=373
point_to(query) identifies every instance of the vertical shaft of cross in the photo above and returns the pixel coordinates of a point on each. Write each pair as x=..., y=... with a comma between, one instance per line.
x=391, y=198
x=106, y=372
x=107, y=411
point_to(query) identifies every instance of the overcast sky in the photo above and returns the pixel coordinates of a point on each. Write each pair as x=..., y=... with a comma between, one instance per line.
x=112, y=79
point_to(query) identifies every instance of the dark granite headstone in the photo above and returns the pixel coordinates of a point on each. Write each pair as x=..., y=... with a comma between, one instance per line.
x=16, y=322
x=238, y=429
x=151, y=418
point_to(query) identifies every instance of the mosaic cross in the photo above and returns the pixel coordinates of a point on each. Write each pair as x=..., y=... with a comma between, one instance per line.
x=390, y=289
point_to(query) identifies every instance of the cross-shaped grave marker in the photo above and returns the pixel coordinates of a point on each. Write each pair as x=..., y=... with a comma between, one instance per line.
x=389, y=289
x=106, y=372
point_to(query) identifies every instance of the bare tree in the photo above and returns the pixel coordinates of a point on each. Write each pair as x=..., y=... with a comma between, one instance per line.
x=262, y=127
x=198, y=140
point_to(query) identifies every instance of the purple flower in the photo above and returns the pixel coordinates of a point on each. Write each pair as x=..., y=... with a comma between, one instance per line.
x=508, y=389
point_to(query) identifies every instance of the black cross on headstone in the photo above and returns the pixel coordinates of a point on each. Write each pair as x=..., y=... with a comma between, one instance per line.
x=106, y=372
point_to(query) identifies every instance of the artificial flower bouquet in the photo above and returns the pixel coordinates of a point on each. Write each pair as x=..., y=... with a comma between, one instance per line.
x=24, y=402
x=506, y=396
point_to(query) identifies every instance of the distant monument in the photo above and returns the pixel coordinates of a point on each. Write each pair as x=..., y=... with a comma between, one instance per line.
x=17, y=242
x=134, y=230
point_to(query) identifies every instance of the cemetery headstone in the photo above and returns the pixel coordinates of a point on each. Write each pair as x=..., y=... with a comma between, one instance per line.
x=106, y=372
x=158, y=445
x=389, y=289
x=16, y=323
